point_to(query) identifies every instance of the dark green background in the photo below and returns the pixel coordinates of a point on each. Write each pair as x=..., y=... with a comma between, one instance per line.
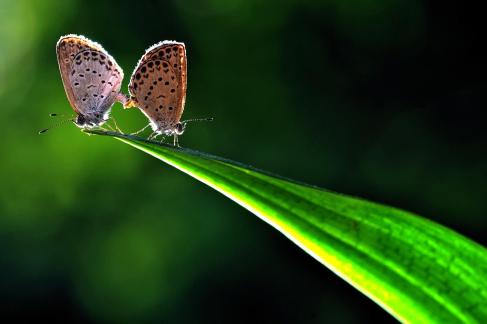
x=381, y=99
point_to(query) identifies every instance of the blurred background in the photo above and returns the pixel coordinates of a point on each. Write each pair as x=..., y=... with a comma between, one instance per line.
x=381, y=99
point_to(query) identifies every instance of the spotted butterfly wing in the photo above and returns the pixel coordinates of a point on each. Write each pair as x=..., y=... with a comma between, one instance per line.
x=158, y=86
x=91, y=79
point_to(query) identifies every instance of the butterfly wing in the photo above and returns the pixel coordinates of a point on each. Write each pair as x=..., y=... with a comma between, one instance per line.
x=158, y=84
x=91, y=77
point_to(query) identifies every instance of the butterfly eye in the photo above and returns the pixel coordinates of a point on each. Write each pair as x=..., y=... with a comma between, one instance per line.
x=80, y=120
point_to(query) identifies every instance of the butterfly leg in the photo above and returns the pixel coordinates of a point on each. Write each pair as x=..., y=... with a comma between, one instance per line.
x=152, y=136
x=140, y=130
x=116, y=125
x=107, y=129
x=176, y=141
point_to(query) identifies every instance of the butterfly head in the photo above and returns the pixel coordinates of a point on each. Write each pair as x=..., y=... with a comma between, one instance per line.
x=169, y=130
x=90, y=120
x=179, y=128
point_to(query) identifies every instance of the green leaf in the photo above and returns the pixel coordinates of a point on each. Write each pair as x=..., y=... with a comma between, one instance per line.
x=417, y=270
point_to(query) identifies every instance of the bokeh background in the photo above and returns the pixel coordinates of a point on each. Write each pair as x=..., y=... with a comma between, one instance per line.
x=381, y=99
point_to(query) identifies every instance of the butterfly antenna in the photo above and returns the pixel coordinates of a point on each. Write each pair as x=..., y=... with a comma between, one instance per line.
x=56, y=115
x=56, y=125
x=197, y=119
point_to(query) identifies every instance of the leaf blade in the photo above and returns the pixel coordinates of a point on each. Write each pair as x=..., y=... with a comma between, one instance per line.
x=415, y=269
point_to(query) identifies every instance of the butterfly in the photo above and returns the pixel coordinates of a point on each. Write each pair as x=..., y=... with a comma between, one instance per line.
x=158, y=88
x=91, y=79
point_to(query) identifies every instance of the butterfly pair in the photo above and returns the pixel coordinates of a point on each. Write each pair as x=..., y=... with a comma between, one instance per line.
x=92, y=81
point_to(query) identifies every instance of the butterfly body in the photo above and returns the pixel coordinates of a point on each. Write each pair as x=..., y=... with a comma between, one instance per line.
x=91, y=79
